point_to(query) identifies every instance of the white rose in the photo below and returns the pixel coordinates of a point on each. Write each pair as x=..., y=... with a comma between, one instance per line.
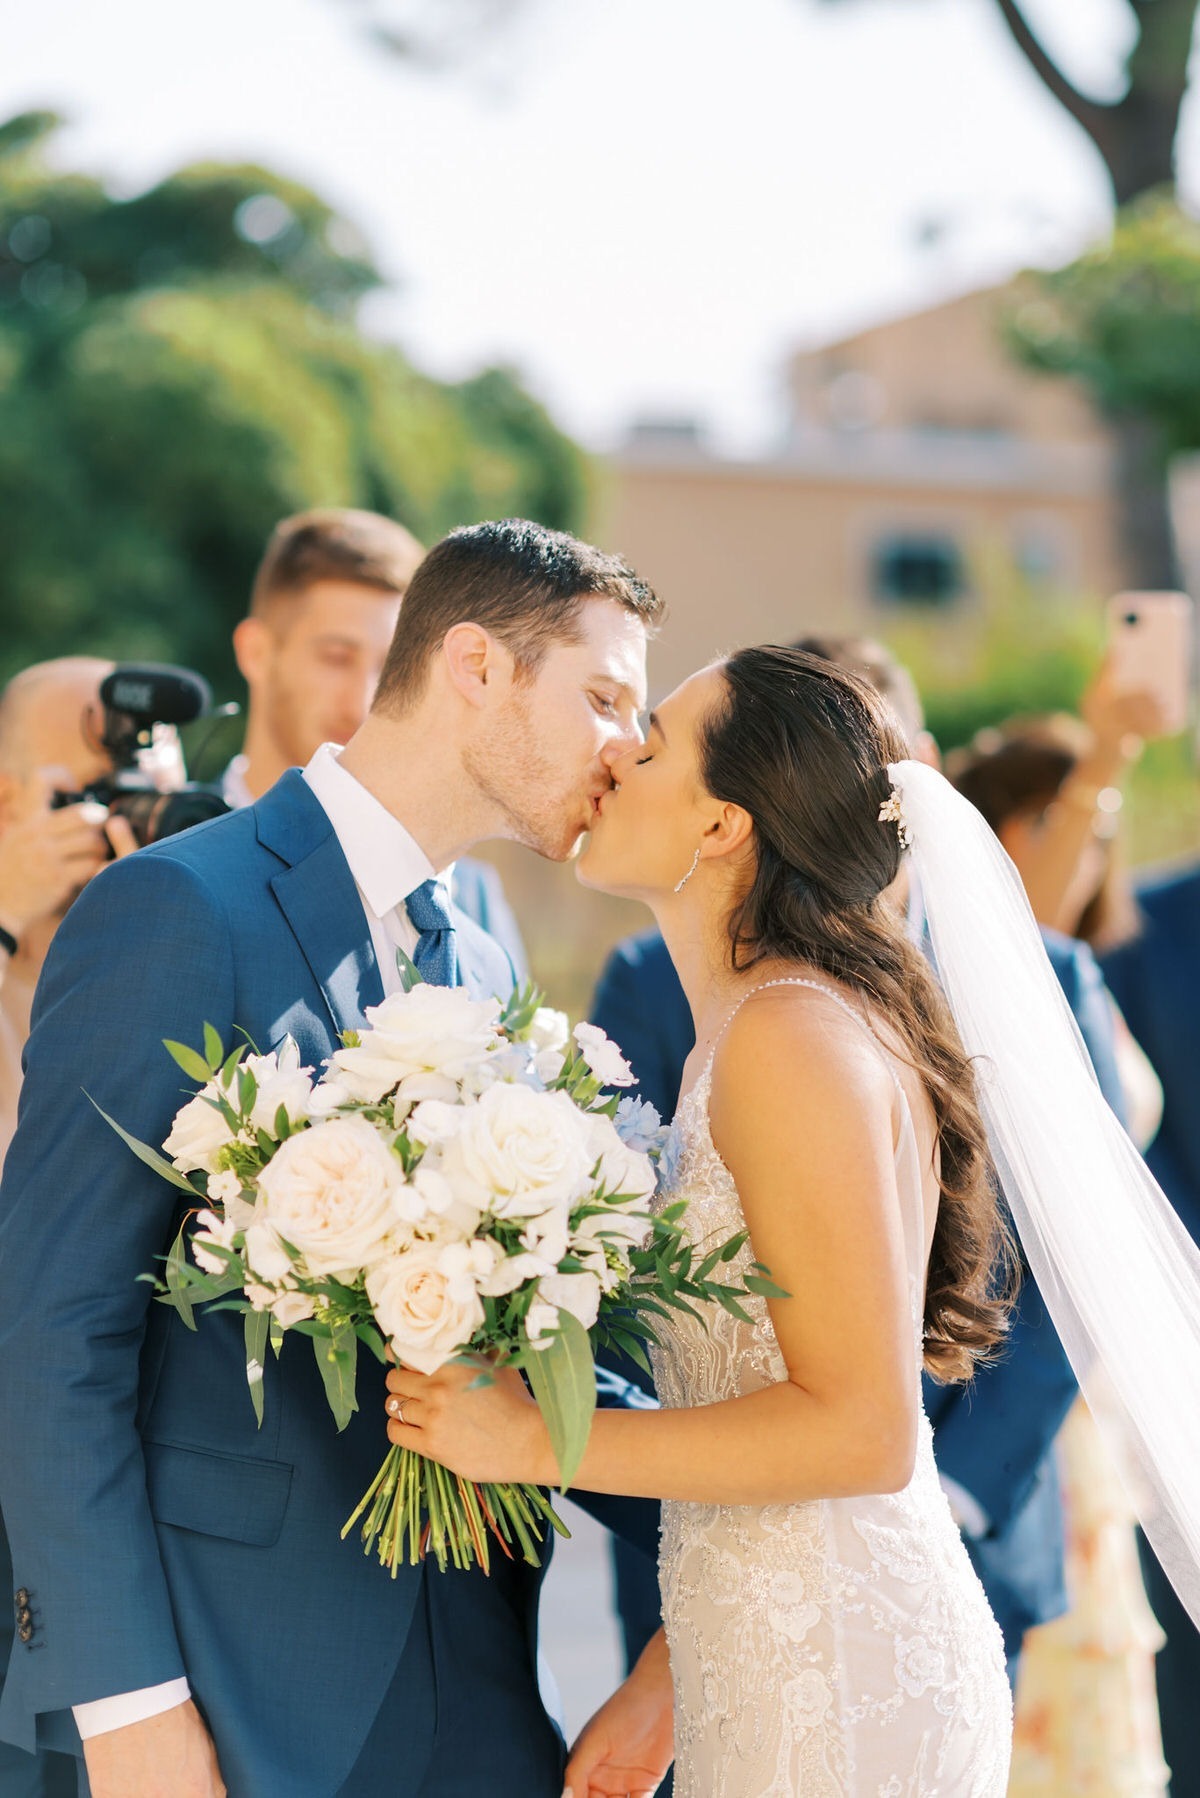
x=281, y=1081
x=329, y=1192
x=426, y=1303
x=577, y=1293
x=525, y=1150
x=430, y=1030
x=603, y=1057
x=198, y=1134
x=215, y=1232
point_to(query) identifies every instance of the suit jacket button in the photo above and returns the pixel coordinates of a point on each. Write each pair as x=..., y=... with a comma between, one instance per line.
x=26, y=1632
x=22, y=1598
x=24, y=1615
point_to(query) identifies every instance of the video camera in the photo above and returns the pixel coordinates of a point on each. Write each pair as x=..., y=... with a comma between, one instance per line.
x=143, y=706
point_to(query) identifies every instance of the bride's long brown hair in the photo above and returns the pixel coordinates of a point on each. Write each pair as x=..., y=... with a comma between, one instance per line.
x=803, y=746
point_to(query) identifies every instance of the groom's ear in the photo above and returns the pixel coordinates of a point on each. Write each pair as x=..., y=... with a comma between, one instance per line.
x=473, y=660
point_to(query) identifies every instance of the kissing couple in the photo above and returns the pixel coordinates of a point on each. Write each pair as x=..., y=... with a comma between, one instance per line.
x=194, y=1626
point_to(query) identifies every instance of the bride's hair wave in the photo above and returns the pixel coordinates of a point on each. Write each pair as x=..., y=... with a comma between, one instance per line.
x=803, y=746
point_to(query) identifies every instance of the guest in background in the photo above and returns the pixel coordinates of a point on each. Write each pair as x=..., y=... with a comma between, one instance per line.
x=47, y=745
x=323, y=608
x=1086, y=1713
x=1156, y=978
x=993, y=1441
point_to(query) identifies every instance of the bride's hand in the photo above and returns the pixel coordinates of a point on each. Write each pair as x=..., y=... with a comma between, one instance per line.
x=476, y=1419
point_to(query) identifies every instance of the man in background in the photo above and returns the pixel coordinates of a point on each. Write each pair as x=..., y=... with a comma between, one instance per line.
x=323, y=608
x=993, y=1441
x=48, y=745
x=1155, y=978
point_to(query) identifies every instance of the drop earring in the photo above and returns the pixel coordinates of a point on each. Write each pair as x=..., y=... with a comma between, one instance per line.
x=679, y=885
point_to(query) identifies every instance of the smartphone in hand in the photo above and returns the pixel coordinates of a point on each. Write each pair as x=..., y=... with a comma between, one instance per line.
x=1150, y=651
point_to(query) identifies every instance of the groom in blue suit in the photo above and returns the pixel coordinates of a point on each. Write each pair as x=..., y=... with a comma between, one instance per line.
x=183, y=1600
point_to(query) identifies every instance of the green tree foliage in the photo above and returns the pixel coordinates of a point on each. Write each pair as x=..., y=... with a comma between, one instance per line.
x=181, y=369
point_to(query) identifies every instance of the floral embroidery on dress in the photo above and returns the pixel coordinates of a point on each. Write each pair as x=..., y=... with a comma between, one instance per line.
x=839, y=1649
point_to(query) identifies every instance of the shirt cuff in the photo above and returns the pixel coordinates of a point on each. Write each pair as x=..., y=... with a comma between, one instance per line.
x=103, y=1714
x=967, y=1511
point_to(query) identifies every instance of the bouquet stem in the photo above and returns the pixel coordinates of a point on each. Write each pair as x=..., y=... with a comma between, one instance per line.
x=414, y=1507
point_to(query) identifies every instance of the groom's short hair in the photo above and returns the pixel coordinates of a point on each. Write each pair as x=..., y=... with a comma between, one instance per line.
x=522, y=582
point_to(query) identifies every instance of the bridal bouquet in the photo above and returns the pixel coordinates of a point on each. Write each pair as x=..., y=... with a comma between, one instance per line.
x=455, y=1182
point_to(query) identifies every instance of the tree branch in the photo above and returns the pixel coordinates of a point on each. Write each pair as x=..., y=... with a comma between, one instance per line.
x=1091, y=114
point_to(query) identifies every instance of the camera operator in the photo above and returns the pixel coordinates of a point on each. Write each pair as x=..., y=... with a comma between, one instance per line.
x=48, y=744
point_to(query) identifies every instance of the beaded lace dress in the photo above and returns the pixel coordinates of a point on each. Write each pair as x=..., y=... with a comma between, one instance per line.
x=836, y=1649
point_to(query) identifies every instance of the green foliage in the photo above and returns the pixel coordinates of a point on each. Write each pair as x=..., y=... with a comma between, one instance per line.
x=180, y=370
x=1125, y=321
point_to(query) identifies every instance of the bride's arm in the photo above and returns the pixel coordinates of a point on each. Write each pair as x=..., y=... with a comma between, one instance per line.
x=802, y=1113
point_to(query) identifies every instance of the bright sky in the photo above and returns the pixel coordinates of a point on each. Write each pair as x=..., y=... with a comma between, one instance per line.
x=641, y=204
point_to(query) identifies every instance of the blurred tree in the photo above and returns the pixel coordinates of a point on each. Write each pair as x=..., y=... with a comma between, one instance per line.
x=1135, y=135
x=1125, y=321
x=181, y=369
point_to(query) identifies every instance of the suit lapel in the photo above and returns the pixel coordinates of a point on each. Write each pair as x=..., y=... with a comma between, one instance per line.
x=318, y=897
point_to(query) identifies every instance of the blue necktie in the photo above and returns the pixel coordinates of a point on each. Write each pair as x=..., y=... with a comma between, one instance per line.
x=436, y=954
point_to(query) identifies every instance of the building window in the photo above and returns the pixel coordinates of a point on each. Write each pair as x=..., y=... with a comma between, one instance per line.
x=918, y=570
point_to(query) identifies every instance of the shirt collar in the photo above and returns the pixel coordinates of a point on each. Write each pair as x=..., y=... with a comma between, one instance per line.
x=385, y=860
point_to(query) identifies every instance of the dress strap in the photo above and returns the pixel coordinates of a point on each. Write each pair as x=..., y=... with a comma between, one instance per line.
x=816, y=986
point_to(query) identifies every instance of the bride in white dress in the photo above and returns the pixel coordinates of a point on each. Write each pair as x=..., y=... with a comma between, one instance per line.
x=828, y=1637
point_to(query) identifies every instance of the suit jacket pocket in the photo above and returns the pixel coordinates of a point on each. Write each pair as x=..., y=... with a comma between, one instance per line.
x=237, y=1497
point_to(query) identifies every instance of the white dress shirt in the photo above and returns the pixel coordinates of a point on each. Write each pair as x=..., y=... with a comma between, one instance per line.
x=387, y=863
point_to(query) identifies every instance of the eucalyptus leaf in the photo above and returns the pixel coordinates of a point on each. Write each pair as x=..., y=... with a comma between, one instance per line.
x=213, y=1048
x=193, y=1064
x=177, y=1282
x=149, y=1156
x=563, y=1379
x=258, y=1332
x=337, y=1358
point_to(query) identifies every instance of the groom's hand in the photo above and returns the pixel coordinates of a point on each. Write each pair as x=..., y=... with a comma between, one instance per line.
x=625, y=1750
x=168, y=1756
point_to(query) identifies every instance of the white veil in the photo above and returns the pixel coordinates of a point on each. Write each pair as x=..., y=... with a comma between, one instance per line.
x=1119, y=1273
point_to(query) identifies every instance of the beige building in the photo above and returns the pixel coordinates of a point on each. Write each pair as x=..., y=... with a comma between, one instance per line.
x=922, y=472
x=922, y=469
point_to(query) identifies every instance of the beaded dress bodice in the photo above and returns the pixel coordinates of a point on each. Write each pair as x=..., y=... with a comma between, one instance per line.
x=836, y=1649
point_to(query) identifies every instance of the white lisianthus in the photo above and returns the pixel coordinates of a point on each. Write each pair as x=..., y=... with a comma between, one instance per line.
x=603, y=1056
x=329, y=1094
x=265, y=1254
x=199, y=1133
x=524, y=1151
x=548, y=1234
x=215, y=1233
x=431, y=1205
x=426, y=1302
x=577, y=1293
x=329, y=1191
x=511, y=1271
x=511, y=1061
x=280, y=1081
x=290, y=1308
x=434, y=1122
x=639, y=1125
x=430, y=1030
x=611, y=1224
x=549, y=1029
x=541, y=1324
x=622, y=1169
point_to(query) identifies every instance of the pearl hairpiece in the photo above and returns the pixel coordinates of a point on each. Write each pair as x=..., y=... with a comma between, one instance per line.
x=892, y=812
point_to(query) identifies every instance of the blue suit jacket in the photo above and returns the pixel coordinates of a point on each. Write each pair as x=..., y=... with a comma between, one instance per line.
x=156, y=1528
x=1156, y=982
x=994, y=1436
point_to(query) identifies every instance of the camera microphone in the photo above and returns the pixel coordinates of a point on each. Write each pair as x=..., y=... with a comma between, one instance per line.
x=155, y=691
